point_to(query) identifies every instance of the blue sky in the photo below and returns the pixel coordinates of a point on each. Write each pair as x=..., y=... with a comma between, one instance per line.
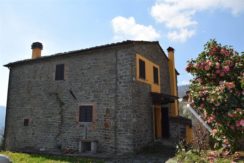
x=63, y=25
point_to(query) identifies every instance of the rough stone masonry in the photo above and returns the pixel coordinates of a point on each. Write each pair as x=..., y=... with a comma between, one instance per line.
x=43, y=113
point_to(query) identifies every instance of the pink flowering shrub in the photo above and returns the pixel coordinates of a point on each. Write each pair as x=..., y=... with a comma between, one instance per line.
x=217, y=90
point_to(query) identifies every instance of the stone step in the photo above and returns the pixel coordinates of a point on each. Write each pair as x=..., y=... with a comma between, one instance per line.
x=167, y=143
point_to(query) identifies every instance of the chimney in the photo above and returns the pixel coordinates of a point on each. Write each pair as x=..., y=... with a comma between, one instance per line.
x=173, y=80
x=36, y=50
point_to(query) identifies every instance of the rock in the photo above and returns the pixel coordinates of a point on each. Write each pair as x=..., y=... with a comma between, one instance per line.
x=4, y=159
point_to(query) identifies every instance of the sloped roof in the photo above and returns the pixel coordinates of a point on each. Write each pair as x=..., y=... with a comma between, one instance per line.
x=71, y=53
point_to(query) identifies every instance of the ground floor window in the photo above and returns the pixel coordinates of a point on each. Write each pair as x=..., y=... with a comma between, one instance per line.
x=86, y=113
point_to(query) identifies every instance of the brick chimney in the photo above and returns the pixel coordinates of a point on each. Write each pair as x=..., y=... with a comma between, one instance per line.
x=36, y=50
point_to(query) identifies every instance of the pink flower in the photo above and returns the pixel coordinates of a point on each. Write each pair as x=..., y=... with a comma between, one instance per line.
x=207, y=67
x=217, y=65
x=226, y=69
x=217, y=71
x=225, y=141
x=242, y=122
x=199, y=80
x=221, y=83
x=238, y=124
x=229, y=85
x=214, y=131
x=222, y=50
x=214, y=49
x=228, y=62
x=222, y=74
x=232, y=127
x=209, y=62
x=213, y=153
x=239, y=109
x=231, y=115
x=211, y=119
x=227, y=53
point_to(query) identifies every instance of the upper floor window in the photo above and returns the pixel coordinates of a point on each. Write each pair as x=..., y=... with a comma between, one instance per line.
x=148, y=72
x=86, y=112
x=59, y=74
x=142, y=69
x=26, y=122
x=155, y=75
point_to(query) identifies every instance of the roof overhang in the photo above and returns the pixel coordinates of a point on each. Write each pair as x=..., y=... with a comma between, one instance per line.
x=161, y=98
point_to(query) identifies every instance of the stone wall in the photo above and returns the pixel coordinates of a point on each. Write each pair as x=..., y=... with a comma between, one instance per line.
x=100, y=78
x=142, y=101
x=104, y=78
x=178, y=127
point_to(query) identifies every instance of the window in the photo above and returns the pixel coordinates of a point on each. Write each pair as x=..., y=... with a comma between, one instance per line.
x=155, y=75
x=142, y=69
x=85, y=113
x=26, y=122
x=148, y=72
x=86, y=146
x=59, y=75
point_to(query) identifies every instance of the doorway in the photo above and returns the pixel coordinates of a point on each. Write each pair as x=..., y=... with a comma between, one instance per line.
x=165, y=122
x=157, y=122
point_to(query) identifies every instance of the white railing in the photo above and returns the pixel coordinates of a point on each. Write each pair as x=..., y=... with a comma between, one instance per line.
x=198, y=117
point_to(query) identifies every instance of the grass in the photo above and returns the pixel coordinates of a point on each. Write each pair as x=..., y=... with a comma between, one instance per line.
x=190, y=156
x=40, y=158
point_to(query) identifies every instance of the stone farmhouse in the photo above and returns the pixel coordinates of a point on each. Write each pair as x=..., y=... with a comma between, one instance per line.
x=116, y=98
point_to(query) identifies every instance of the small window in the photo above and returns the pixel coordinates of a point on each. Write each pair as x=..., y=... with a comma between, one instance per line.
x=85, y=114
x=59, y=75
x=86, y=146
x=155, y=75
x=142, y=69
x=26, y=122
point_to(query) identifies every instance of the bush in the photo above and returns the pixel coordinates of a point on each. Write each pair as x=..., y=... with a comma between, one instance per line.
x=217, y=92
x=206, y=157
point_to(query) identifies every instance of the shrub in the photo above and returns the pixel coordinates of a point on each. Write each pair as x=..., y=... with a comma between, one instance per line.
x=217, y=92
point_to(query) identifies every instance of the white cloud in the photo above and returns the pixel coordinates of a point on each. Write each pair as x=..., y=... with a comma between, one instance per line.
x=127, y=28
x=178, y=14
x=171, y=15
x=180, y=35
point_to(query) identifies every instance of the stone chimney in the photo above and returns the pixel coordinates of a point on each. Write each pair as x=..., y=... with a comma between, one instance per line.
x=36, y=50
x=173, y=85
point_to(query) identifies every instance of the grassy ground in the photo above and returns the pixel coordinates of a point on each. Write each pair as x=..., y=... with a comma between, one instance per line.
x=36, y=158
x=190, y=156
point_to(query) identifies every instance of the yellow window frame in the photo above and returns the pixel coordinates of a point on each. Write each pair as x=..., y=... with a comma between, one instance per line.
x=149, y=78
